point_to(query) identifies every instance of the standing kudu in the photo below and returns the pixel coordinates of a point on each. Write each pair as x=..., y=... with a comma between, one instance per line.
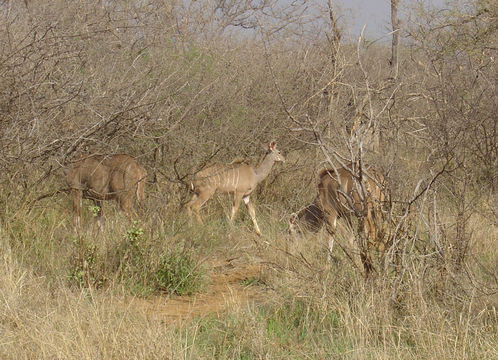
x=343, y=192
x=238, y=179
x=100, y=177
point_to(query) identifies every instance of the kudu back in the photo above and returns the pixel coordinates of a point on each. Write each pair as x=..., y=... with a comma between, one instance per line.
x=239, y=179
x=341, y=194
x=106, y=177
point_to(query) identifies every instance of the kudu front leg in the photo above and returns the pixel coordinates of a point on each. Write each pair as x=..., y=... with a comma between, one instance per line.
x=331, y=228
x=190, y=204
x=77, y=196
x=127, y=205
x=99, y=214
x=235, y=208
x=252, y=213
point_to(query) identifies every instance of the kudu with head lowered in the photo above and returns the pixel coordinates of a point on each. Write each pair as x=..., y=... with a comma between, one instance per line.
x=239, y=179
x=343, y=192
x=106, y=177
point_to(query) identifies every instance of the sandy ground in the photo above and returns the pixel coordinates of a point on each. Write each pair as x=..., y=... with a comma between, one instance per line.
x=232, y=283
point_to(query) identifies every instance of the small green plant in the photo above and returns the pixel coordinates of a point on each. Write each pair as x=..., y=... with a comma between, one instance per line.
x=84, y=271
x=275, y=328
x=135, y=233
x=94, y=210
x=298, y=321
x=252, y=280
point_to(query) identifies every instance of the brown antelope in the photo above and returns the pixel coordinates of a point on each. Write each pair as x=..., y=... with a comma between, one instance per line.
x=100, y=177
x=340, y=194
x=237, y=178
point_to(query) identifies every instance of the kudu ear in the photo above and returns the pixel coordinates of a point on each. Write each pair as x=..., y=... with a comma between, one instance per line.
x=272, y=146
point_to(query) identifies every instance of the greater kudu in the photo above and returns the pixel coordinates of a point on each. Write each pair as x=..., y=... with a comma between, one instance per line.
x=106, y=177
x=240, y=179
x=344, y=192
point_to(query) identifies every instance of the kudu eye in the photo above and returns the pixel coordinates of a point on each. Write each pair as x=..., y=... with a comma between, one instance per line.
x=279, y=156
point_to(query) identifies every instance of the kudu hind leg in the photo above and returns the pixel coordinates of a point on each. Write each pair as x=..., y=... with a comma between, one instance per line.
x=140, y=196
x=197, y=201
x=331, y=228
x=252, y=213
x=365, y=243
x=126, y=203
x=370, y=227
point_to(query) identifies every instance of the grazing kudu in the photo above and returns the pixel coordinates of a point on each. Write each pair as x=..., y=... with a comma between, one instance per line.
x=310, y=218
x=101, y=177
x=341, y=194
x=239, y=179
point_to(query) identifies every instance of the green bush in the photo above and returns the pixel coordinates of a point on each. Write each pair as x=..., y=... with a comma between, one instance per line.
x=136, y=263
x=177, y=273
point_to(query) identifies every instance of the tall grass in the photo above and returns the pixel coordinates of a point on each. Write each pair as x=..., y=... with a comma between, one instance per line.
x=68, y=296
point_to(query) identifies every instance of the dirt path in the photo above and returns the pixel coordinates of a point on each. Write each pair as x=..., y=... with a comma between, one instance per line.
x=232, y=284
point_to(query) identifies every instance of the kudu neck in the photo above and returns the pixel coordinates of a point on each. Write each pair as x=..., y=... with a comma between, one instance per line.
x=264, y=168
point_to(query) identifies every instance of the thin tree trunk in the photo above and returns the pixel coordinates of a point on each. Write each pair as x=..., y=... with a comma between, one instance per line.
x=395, y=39
x=336, y=33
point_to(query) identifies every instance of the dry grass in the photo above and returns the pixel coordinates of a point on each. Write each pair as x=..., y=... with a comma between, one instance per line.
x=298, y=306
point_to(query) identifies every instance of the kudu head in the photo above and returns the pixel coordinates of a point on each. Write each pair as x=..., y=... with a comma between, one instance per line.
x=274, y=152
x=309, y=218
x=293, y=224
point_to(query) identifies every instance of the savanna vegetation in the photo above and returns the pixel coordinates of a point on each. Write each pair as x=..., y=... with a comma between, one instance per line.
x=180, y=85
